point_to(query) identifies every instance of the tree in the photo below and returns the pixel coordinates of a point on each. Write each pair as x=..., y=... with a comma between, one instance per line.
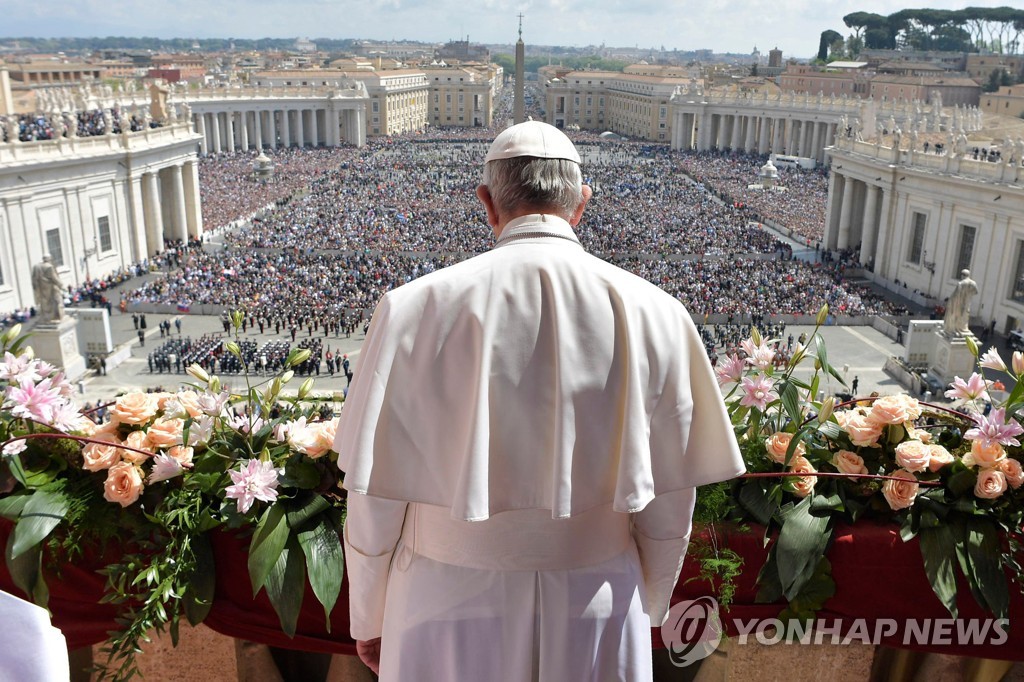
x=828, y=38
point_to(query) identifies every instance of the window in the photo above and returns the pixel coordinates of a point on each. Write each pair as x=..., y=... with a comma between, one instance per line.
x=1017, y=294
x=963, y=262
x=103, y=228
x=376, y=107
x=917, y=238
x=54, y=246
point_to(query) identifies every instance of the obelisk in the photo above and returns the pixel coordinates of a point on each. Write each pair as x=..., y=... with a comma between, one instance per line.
x=519, y=107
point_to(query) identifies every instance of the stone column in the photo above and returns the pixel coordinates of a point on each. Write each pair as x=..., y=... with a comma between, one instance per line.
x=200, y=125
x=884, y=228
x=300, y=133
x=806, y=128
x=243, y=130
x=359, y=126
x=258, y=129
x=286, y=129
x=137, y=217
x=762, y=139
x=193, y=209
x=179, y=228
x=314, y=129
x=869, y=231
x=779, y=126
x=272, y=128
x=229, y=123
x=735, y=141
x=748, y=144
x=154, y=213
x=844, y=214
x=215, y=132
x=788, y=146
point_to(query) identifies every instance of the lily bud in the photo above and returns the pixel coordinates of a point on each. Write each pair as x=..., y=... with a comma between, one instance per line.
x=297, y=357
x=214, y=384
x=287, y=376
x=11, y=334
x=236, y=318
x=972, y=345
x=817, y=365
x=234, y=349
x=822, y=315
x=305, y=388
x=1018, y=363
x=799, y=353
x=198, y=373
x=827, y=406
x=275, y=386
x=755, y=336
x=28, y=352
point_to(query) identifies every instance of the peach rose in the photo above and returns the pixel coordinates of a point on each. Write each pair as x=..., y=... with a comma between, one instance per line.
x=107, y=431
x=1013, y=471
x=137, y=440
x=940, y=457
x=889, y=409
x=778, y=444
x=804, y=485
x=991, y=484
x=985, y=456
x=306, y=439
x=913, y=455
x=900, y=494
x=134, y=409
x=861, y=430
x=164, y=433
x=84, y=426
x=161, y=398
x=918, y=434
x=849, y=462
x=182, y=454
x=123, y=484
x=328, y=430
x=96, y=457
x=190, y=401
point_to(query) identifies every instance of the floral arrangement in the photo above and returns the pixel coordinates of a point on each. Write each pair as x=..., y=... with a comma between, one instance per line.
x=163, y=472
x=951, y=479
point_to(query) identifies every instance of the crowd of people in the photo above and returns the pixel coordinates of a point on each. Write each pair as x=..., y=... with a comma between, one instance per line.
x=343, y=226
x=89, y=123
x=801, y=209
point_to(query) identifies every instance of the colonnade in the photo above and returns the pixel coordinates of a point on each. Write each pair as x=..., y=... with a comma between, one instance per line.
x=761, y=132
x=164, y=203
x=854, y=220
x=270, y=126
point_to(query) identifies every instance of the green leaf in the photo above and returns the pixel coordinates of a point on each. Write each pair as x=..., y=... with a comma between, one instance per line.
x=752, y=497
x=822, y=354
x=311, y=506
x=984, y=550
x=831, y=430
x=286, y=584
x=268, y=542
x=41, y=514
x=938, y=550
x=812, y=597
x=324, y=563
x=791, y=401
x=26, y=572
x=198, y=598
x=802, y=542
x=301, y=474
x=769, y=589
x=11, y=507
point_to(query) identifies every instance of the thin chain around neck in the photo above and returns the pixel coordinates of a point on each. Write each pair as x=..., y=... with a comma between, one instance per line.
x=536, y=233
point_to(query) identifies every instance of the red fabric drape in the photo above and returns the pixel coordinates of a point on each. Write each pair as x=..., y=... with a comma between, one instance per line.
x=877, y=575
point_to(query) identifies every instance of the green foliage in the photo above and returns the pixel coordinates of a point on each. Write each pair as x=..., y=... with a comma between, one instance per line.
x=719, y=566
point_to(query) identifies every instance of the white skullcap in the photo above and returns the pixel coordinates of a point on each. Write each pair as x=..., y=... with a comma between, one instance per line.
x=532, y=138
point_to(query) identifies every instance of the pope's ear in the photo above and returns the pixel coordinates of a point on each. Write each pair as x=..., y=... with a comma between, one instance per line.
x=577, y=215
x=484, y=195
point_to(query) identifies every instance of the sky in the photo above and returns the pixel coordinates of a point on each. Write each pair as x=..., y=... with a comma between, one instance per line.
x=791, y=25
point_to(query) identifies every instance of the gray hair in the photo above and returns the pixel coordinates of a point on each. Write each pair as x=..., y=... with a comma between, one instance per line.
x=527, y=181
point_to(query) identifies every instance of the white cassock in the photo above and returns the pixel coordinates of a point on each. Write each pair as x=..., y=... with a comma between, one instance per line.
x=568, y=409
